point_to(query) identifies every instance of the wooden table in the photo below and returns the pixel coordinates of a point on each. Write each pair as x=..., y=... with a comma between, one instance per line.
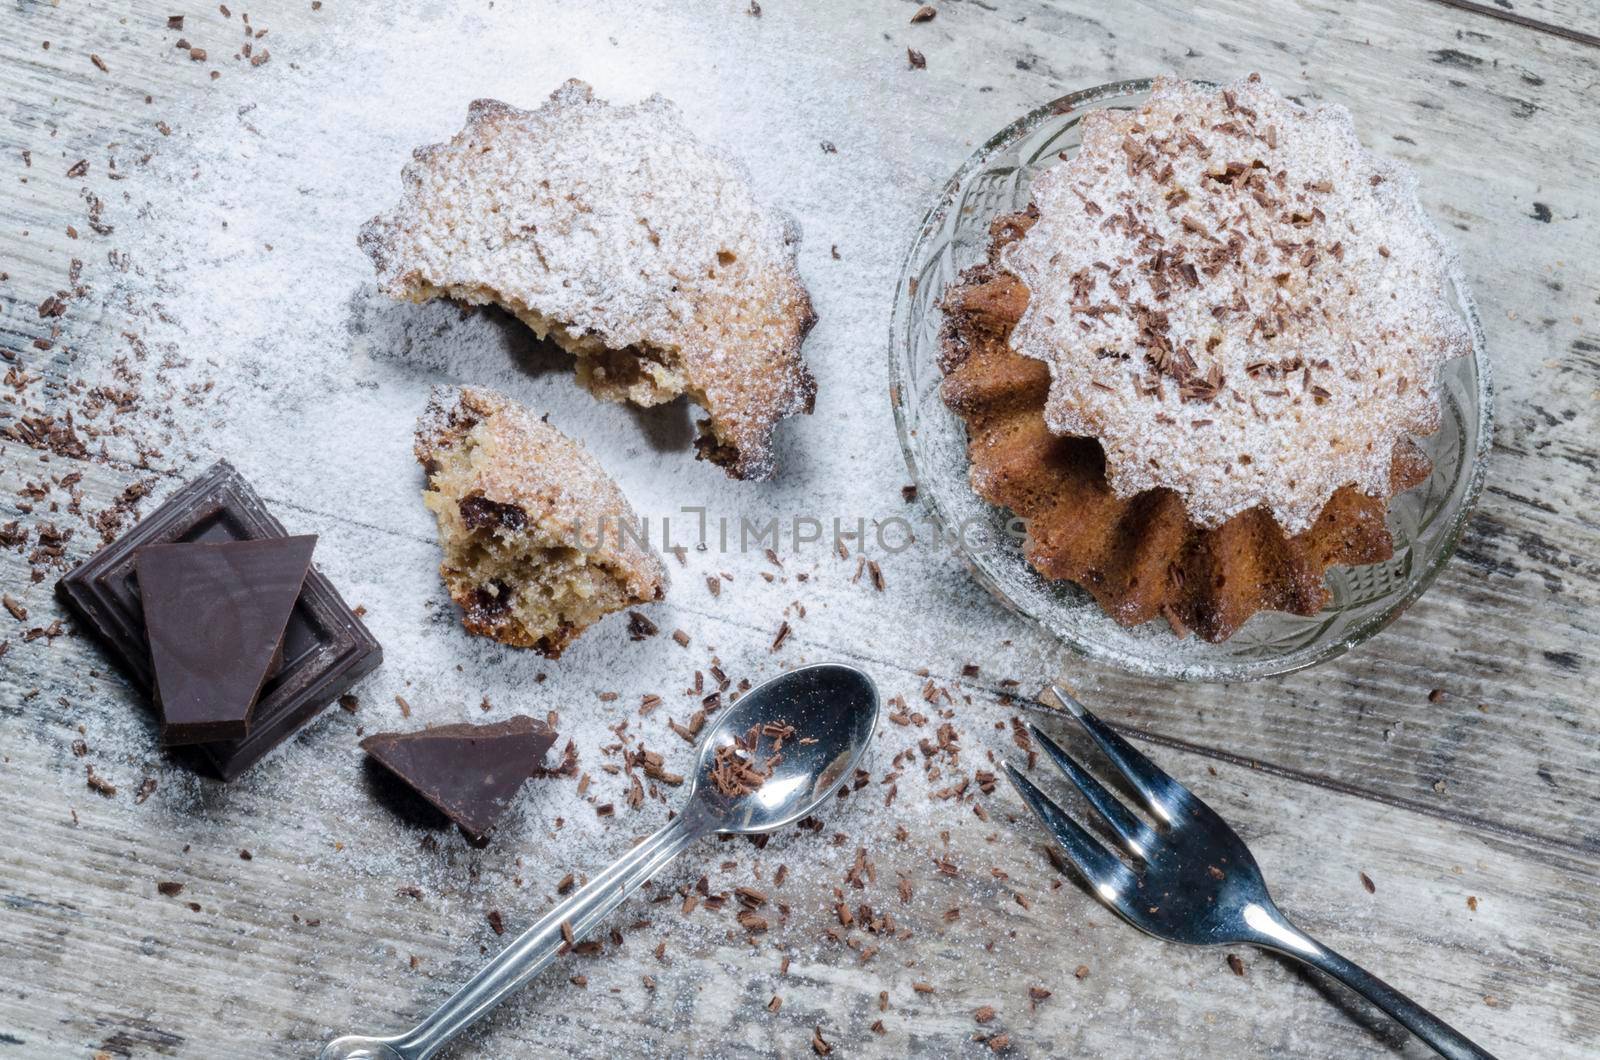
x=1449, y=839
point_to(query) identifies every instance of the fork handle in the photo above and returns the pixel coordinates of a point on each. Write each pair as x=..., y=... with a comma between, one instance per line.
x=1443, y=1038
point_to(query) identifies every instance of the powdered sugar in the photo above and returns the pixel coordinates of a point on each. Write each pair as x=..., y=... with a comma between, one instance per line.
x=1240, y=302
x=263, y=340
x=318, y=381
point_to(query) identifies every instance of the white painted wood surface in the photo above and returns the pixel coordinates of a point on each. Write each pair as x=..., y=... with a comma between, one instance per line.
x=1490, y=794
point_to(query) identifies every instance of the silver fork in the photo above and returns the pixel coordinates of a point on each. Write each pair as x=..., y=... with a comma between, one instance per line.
x=1196, y=882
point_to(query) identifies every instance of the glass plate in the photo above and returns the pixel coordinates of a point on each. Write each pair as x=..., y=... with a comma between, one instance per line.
x=1426, y=522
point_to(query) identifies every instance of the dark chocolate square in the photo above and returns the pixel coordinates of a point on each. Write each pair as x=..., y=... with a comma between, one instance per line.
x=326, y=647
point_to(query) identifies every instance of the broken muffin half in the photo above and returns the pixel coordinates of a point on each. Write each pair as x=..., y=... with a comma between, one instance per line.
x=616, y=233
x=539, y=543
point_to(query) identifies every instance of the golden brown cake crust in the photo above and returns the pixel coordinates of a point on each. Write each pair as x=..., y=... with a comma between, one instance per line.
x=530, y=523
x=1139, y=556
x=617, y=234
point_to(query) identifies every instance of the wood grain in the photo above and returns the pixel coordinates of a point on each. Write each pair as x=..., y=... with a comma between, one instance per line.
x=1491, y=792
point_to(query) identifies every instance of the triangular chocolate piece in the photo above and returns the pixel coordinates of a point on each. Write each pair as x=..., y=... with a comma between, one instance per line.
x=470, y=772
x=215, y=615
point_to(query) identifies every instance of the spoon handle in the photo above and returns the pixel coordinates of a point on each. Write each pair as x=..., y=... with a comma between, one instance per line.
x=542, y=943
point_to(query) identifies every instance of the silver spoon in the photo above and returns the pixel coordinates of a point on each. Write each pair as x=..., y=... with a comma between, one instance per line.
x=834, y=712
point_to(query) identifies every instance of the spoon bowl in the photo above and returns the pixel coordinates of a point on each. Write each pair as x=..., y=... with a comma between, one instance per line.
x=803, y=733
x=833, y=710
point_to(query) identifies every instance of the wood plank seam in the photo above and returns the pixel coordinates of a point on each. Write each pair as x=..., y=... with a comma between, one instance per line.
x=1524, y=21
x=1466, y=820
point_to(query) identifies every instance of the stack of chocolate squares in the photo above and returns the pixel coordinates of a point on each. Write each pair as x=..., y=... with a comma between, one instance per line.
x=216, y=613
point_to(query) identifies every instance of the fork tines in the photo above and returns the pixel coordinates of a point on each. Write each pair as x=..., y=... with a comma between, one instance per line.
x=1158, y=793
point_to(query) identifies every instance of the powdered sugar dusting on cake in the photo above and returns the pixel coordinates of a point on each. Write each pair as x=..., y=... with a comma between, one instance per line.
x=1240, y=302
x=614, y=229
